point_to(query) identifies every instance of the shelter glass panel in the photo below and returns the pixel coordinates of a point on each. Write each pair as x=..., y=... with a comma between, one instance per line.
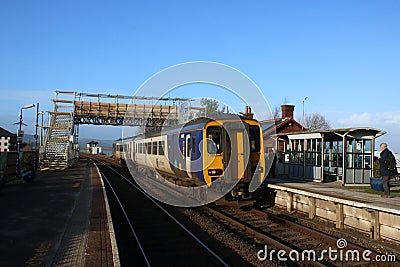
x=358, y=154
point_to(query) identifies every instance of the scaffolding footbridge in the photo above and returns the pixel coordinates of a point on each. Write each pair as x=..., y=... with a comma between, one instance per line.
x=72, y=109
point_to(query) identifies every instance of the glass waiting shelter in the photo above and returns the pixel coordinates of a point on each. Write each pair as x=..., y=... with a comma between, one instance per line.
x=343, y=155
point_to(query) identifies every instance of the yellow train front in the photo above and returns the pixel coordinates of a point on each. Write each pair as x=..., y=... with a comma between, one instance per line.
x=202, y=149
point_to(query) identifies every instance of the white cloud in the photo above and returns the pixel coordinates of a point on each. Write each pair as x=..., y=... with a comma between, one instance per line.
x=386, y=121
x=357, y=119
x=350, y=119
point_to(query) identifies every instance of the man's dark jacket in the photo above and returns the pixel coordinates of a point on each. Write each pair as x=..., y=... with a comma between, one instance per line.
x=382, y=166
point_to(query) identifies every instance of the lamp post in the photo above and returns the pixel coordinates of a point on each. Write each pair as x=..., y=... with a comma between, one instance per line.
x=19, y=139
x=41, y=129
x=302, y=119
x=35, y=154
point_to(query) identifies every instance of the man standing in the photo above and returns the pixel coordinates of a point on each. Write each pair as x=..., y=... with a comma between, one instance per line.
x=385, y=173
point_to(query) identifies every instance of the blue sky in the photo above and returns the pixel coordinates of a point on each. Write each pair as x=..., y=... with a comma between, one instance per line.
x=343, y=55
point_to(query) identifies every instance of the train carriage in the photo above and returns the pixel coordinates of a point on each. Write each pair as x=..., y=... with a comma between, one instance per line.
x=201, y=151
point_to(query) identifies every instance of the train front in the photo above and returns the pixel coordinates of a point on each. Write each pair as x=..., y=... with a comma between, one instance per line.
x=234, y=150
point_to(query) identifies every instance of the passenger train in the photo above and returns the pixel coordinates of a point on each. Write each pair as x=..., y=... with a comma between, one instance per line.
x=200, y=151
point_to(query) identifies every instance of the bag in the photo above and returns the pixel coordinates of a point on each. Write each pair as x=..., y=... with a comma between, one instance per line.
x=390, y=162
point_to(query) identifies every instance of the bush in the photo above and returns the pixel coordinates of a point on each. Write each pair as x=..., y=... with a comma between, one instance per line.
x=27, y=160
x=376, y=173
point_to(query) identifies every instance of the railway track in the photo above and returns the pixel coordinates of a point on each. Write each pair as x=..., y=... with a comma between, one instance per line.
x=277, y=233
x=282, y=234
x=147, y=234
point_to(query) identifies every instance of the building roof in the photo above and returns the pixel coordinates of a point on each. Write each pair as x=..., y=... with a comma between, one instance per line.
x=5, y=133
x=93, y=143
x=339, y=133
x=268, y=125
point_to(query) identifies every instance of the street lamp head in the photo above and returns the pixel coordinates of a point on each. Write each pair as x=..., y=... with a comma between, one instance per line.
x=305, y=98
x=28, y=106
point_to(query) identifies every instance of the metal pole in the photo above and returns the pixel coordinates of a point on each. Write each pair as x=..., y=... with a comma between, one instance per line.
x=41, y=131
x=302, y=119
x=35, y=154
x=19, y=139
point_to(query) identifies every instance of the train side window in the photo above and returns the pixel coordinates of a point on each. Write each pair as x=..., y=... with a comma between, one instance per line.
x=148, y=145
x=161, y=147
x=188, y=148
x=214, y=140
x=193, y=145
x=155, y=148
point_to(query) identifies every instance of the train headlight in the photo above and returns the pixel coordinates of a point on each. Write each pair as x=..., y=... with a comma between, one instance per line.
x=214, y=172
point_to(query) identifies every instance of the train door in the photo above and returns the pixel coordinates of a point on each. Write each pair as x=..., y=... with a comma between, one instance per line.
x=235, y=150
x=188, y=155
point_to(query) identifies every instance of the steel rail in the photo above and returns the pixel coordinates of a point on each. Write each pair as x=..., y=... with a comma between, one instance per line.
x=103, y=176
x=250, y=230
x=168, y=214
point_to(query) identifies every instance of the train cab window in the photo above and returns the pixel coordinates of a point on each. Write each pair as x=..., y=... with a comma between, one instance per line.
x=161, y=147
x=214, y=140
x=254, y=139
x=155, y=144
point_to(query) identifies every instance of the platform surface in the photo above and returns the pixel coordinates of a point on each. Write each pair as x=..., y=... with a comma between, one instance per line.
x=48, y=222
x=334, y=191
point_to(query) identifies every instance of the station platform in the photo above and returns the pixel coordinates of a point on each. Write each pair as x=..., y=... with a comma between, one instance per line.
x=60, y=219
x=346, y=207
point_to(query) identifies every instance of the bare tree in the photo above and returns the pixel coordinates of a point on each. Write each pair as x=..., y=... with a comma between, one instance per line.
x=276, y=113
x=316, y=121
x=211, y=107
